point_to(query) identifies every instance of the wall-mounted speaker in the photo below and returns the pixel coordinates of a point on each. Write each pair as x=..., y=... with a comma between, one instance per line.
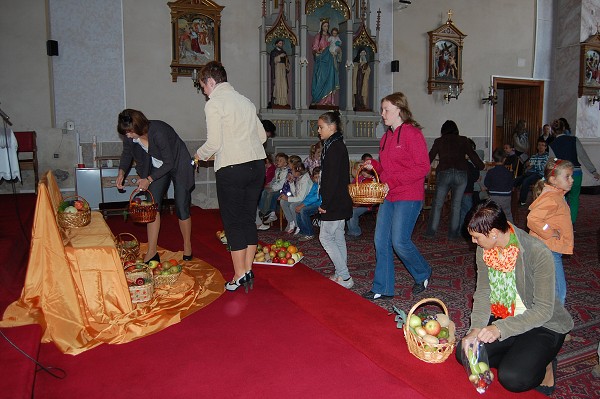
x=51, y=47
x=395, y=66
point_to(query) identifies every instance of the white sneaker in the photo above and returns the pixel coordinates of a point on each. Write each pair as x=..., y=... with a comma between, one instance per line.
x=291, y=227
x=297, y=231
x=263, y=227
x=344, y=283
x=306, y=238
x=271, y=217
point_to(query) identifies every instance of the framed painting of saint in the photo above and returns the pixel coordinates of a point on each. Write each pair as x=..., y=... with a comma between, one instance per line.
x=445, y=57
x=589, y=74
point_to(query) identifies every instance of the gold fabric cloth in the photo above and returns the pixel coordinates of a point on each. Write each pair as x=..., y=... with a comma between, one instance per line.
x=75, y=286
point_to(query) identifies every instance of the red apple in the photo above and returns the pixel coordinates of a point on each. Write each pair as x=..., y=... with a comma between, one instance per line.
x=432, y=327
x=283, y=261
x=78, y=205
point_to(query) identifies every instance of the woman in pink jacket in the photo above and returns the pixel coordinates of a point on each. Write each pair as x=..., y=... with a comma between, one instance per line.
x=549, y=217
x=403, y=165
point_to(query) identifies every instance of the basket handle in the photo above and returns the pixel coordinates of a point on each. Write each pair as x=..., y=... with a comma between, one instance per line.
x=136, y=192
x=120, y=236
x=425, y=300
x=360, y=170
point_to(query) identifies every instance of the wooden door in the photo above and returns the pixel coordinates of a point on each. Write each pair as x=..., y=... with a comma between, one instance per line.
x=522, y=99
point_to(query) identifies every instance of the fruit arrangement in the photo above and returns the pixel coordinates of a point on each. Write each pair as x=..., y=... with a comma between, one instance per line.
x=479, y=371
x=281, y=252
x=157, y=268
x=73, y=206
x=433, y=329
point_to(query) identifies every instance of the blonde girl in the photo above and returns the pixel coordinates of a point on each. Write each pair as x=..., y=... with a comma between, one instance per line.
x=549, y=218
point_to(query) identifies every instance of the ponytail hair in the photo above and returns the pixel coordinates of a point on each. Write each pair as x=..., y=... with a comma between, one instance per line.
x=333, y=118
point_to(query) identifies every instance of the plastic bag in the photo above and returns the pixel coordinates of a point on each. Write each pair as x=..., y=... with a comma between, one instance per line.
x=475, y=360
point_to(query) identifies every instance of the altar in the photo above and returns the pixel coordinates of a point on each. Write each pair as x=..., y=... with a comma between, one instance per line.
x=75, y=286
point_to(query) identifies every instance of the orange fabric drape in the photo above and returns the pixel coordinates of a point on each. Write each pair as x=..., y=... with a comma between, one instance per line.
x=75, y=287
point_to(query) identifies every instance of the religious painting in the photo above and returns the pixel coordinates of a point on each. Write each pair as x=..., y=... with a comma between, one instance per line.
x=589, y=75
x=196, y=35
x=445, y=57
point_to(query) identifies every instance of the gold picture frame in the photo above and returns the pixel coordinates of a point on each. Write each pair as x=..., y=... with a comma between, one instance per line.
x=196, y=27
x=445, y=57
x=589, y=72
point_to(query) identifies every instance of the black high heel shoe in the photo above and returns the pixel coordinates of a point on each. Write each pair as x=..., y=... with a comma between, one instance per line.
x=188, y=257
x=250, y=278
x=235, y=284
x=156, y=257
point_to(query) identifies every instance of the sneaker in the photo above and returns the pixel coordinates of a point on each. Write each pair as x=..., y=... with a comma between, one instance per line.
x=291, y=227
x=317, y=222
x=297, y=231
x=263, y=227
x=420, y=287
x=271, y=217
x=349, y=283
x=306, y=238
x=374, y=296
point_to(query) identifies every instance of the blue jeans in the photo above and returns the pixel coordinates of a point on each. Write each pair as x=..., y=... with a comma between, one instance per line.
x=526, y=180
x=303, y=219
x=465, y=206
x=268, y=201
x=352, y=223
x=561, y=282
x=455, y=181
x=395, y=223
x=333, y=242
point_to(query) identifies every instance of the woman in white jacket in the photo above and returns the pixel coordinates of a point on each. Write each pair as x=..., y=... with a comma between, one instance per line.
x=299, y=190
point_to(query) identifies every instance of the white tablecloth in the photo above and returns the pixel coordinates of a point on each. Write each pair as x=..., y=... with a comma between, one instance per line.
x=8, y=155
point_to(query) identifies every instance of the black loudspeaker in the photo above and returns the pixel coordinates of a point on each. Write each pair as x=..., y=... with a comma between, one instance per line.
x=395, y=66
x=51, y=47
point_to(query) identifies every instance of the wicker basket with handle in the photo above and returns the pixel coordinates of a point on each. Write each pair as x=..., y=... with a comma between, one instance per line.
x=128, y=247
x=142, y=213
x=371, y=193
x=430, y=353
x=80, y=218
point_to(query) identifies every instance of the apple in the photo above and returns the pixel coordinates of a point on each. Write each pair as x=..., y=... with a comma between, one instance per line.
x=275, y=259
x=281, y=254
x=290, y=261
x=272, y=254
x=278, y=242
x=266, y=250
x=443, y=333
x=78, y=205
x=288, y=255
x=414, y=321
x=137, y=200
x=285, y=244
x=432, y=327
x=153, y=264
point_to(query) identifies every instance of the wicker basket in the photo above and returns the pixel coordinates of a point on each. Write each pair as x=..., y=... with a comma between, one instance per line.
x=368, y=193
x=127, y=252
x=143, y=292
x=166, y=279
x=142, y=213
x=80, y=218
x=430, y=353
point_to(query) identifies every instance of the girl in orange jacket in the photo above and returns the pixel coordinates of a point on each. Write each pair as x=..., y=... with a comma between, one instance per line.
x=549, y=218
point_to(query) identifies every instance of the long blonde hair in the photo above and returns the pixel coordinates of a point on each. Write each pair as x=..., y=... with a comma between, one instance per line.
x=553, y=168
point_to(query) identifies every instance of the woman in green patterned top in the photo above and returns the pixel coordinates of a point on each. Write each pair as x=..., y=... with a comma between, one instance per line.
x=515, y=312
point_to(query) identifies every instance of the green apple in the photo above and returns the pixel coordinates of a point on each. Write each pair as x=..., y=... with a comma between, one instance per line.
x=414, y=321
x=153, y=264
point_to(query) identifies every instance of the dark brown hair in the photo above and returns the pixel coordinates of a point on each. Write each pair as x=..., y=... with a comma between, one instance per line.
x=486, y=216
x=214, y=70
x=132, y=120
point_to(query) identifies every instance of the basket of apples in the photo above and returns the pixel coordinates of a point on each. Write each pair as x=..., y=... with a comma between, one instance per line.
x=430, y=338
x=74, y=211
x=282, y=253
x=165, y=273
x=142, y=210
x=139, y=281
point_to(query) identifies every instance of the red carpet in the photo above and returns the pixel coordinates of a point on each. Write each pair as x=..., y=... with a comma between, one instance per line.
x=296, y=335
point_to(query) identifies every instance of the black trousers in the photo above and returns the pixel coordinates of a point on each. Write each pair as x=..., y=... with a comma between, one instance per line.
x=521, y=360
x=238, y=191
x=182, y=195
